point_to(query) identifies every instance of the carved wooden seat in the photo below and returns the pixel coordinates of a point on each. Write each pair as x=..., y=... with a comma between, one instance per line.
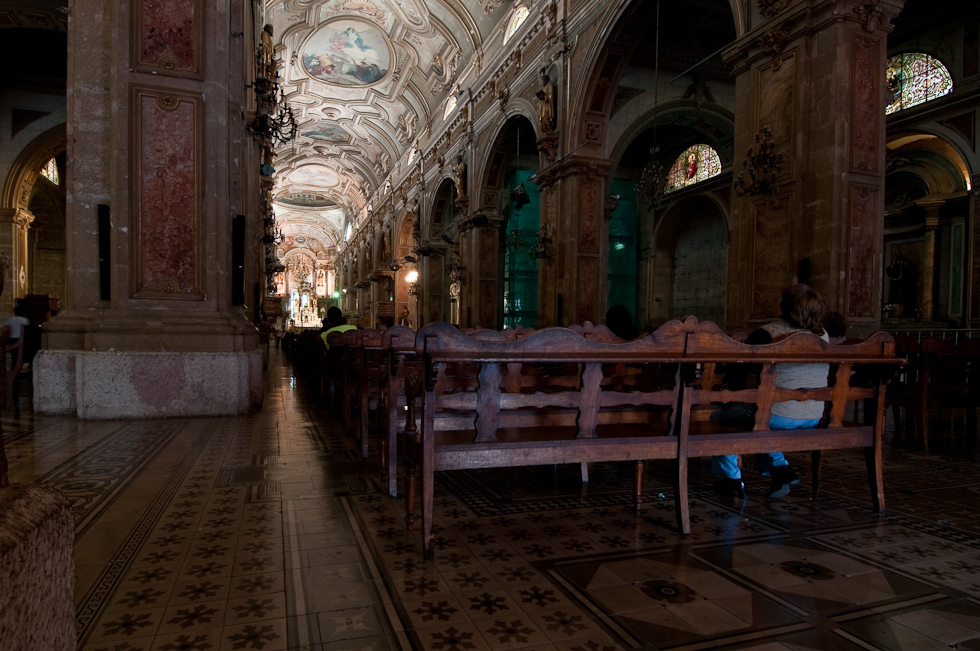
x=478, y=411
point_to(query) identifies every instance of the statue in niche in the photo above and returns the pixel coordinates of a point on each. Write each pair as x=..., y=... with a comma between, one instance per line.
x=546, y=103
x=386, y=245
x=437, y=66
x=459, y=176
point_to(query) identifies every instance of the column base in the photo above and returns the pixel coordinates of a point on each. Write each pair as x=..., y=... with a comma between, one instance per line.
x=134, y=384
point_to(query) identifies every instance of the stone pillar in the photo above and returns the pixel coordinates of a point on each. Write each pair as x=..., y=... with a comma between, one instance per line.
x=927, y=304
x=156, y=140
x=812, y=75
x=19, y=263
x=575, y=189
x=480, y=253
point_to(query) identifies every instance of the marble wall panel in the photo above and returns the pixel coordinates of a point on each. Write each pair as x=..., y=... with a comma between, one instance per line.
x=170, y=35
x=588, y=234
x=866, y=104
x=168, y=204
x=861, y=254
x=588, y=288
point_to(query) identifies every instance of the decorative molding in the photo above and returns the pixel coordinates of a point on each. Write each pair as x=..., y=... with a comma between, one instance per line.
x=770, y=7
x=773, y=41
x=23, y=219
x=872, y=15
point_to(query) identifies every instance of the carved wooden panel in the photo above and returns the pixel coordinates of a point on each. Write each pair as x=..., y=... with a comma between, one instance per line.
x=168, y=212
x=775, y=106
x=866, y=103
x=169, y=36
x=771, y=254
x=862, y=265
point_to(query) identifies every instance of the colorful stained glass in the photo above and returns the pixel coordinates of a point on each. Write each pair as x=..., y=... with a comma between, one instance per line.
x=915, y=78
x=515, y=22
x=696, y=163
x=50, y=172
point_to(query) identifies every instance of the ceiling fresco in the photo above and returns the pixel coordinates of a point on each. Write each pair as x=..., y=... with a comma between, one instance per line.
x=366, y=79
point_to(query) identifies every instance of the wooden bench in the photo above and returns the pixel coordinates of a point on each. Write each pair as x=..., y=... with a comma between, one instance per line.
x=940, y=373
x=874, y=359
x=489, y=401
x=520, y=404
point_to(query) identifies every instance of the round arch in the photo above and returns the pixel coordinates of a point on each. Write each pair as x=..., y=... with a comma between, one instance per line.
x=28, y=164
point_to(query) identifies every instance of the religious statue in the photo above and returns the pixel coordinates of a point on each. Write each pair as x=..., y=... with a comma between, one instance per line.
x=268, y=66
x=459, y=176
x=403, y=319
x=437, y=66
x=416, y=212
x=546, y=103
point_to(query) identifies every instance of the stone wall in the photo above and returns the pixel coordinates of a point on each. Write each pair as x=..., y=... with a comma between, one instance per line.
x=700, y=270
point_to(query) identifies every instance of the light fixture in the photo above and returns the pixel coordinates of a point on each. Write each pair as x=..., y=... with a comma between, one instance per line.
x=412, y=276
x=653, y=178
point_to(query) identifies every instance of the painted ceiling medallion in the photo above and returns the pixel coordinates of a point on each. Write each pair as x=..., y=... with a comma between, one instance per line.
x=326, y=133
x=347, y=52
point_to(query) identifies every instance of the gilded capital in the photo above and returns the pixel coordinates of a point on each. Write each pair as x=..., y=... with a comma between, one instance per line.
x=23, y=219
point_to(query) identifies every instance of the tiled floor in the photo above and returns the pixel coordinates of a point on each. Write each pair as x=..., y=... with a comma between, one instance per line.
x=268, y=532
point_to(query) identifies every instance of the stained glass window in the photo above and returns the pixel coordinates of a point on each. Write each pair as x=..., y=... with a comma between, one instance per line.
x=515, y=22
x=695, y=164
x=50, y=172
x=450, y=105
x=915, y=78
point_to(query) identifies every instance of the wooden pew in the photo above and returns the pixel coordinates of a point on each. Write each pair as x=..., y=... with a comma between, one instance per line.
x=401, y=395
x=940, y=373
x=875, y=357
x=496, y=414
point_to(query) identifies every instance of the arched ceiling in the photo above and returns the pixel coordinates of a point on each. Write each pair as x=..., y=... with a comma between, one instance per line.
x=366, y=80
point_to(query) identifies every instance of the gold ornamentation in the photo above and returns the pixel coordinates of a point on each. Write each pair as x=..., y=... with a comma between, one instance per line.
x=169, y=286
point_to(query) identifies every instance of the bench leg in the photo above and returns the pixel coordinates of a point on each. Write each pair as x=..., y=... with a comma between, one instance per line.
x=638, y=485
x=409, y=495
x=816, y=461
x=872, y=457
x=428, y=481
x=391, y=449
x=383, y=458
x=585, y=472
x=680, y=497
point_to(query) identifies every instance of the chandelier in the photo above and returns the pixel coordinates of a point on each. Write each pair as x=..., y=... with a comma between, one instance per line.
x=762, y=165
x=653, y=179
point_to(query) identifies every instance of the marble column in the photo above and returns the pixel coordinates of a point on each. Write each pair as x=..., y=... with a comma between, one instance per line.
x=927, y=304
x=812, y=75
x=157, y=143
x=480, y=253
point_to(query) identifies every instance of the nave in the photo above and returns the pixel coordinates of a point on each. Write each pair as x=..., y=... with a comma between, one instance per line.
x=267, y=531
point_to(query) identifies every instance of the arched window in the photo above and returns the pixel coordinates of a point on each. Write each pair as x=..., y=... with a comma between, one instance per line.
x=696, y=163
x=450, y=106
x=915, y=78
x=50, y=172
x=515, y=22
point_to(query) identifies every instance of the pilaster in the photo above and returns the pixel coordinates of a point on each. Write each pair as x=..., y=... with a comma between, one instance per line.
x=812, y=75
x=573, y=196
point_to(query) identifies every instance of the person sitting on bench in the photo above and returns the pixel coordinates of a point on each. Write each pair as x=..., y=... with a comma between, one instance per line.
x=802, y=310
